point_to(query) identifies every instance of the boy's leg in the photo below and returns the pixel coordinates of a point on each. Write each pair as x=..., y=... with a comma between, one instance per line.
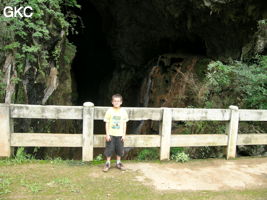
x=119, y=150
x=108, y=160
x=107, y=165
x=118, y=159
x=110, y=147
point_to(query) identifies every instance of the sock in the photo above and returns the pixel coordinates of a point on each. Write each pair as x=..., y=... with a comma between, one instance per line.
x=108, y=162
x=118, y=161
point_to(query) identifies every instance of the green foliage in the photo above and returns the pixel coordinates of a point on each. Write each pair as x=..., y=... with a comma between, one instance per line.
x=11, y=46
x=56, y=160
x=37, y=41
x=33, y=187
x=263, y=21
x=62, y=181
x=175, y=150
x=202, y=127
x=178, y=154
x=245, y=83
x=148, y=154
x=4, y=184
x=99, y=157
x=2, y=85
x=180, y=157
x=22, y=156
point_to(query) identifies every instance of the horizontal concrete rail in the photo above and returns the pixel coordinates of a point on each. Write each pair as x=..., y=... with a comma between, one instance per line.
x=133, y=113
x=195, y=114
x=76, y=112
x=178, y=114
x=45, y=140
x=46, y=112
x=165, y=140
x=252, y=139
x=252, y=115
x=75, y=140
x=198, y=140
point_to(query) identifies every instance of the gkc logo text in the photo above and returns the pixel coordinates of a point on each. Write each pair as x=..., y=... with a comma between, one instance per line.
x=10, y=11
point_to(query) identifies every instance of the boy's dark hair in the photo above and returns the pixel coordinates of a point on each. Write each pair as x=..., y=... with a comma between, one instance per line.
x=116, y=96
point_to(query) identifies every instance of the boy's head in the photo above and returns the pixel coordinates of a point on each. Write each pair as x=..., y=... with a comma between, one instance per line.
x=116, y=100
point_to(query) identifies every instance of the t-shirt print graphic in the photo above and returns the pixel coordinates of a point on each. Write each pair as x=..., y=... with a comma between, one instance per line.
x=116, y=122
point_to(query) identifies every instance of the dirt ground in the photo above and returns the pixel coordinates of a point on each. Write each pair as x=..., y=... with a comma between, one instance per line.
x=212, y=179
x=204, y=175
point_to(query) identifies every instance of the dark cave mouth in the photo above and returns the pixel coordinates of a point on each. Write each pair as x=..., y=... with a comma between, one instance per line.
x=94, y=62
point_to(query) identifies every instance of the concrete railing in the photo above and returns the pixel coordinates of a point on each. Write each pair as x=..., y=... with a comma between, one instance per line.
x=165, y=140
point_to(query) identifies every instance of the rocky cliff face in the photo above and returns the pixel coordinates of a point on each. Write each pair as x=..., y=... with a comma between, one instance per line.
x=138, y=32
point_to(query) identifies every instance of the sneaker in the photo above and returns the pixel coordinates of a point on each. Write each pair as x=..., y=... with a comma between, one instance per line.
x=106, y=167
x=120, y=166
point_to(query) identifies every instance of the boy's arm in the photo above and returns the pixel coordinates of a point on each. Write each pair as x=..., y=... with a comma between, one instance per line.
x=107, y=133
x=126, y=119
x=124, y=131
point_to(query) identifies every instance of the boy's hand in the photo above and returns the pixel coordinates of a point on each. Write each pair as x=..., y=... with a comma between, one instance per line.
x=122, y=138
x=108, y=138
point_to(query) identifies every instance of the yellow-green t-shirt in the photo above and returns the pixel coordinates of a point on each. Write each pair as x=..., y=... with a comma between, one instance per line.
x=116, y=118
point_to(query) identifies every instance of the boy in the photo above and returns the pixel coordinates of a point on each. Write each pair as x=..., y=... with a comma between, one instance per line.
x=115, y=118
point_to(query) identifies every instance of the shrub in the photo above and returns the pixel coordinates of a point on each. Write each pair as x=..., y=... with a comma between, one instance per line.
x=99, y=157
x=148, y=154
x=244, y=83
x=180, y=157
x=175, y=150
x=22, y=156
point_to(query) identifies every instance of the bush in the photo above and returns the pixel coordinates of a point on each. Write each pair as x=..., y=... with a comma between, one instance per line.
x=175, y=150
x=22, y=156
x=180, y=157
x=148, y=154
x=244, y=83
x=99, y=157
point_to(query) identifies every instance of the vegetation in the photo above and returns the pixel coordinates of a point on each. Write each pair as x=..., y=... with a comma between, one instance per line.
x=239, y=83
x=148, y=154
x=180, y=157
x=99, y=157
x=37, y=41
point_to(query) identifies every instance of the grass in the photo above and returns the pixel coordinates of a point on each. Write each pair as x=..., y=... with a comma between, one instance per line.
x=64, y=180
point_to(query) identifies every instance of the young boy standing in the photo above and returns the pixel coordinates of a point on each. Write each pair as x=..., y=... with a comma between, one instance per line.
x=115, y=118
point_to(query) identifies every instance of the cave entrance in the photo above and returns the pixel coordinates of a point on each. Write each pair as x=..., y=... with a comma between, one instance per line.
x=93, y=61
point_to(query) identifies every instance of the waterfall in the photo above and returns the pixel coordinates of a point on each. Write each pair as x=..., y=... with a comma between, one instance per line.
x=148, y=83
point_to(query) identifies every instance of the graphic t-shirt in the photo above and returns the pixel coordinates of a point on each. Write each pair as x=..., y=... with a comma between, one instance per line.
x=116, y=118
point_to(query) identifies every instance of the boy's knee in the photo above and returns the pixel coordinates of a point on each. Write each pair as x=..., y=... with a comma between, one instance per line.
x=119, y=150
x=108, y=152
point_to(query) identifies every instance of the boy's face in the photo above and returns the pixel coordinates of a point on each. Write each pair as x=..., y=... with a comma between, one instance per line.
x=116, y=102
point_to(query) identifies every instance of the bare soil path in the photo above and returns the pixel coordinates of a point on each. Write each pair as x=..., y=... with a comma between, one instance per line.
x=204, y=175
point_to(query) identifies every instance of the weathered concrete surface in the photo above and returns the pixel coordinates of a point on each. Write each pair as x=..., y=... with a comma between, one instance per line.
x=204, y=175
x=5, y=149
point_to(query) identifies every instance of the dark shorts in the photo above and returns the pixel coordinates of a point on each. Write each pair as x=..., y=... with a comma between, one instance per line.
x=115, y=145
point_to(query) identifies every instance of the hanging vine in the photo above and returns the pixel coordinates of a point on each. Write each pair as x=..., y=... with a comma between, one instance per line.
x=31, y=47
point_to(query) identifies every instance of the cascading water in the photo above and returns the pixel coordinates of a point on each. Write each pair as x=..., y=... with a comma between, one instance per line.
x=147, y=82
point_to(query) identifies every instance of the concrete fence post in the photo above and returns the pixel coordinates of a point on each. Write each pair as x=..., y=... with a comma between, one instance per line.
x=232, y=129
x=165, y=133
x=12, y=149
x=88, y=131
x=5, y=131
